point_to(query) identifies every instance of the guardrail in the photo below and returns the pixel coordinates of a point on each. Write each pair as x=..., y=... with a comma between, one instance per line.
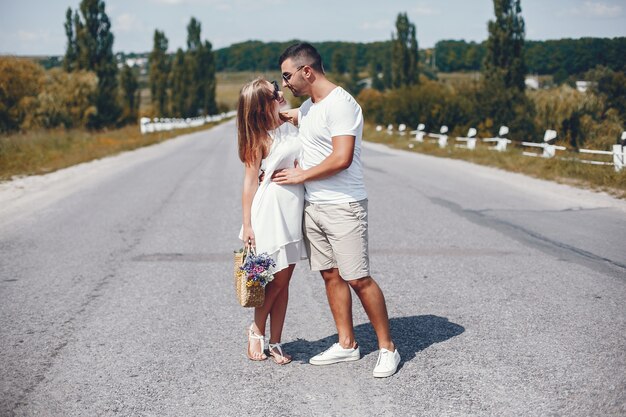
x=546, y=149
x=147, y=125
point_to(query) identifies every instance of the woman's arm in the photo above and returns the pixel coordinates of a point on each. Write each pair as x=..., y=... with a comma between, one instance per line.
x=250, y=185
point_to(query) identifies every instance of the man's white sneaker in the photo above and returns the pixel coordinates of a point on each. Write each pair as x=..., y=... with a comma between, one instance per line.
x=387, y=364
x=335, y=354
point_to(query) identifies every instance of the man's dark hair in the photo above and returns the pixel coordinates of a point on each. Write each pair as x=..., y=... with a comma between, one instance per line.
x=303, y=54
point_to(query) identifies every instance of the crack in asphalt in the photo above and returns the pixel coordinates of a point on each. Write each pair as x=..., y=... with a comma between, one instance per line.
x=535, y=240
x=567, y=210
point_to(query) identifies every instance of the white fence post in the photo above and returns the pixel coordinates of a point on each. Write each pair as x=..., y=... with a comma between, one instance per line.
x=470, y=140
x=419, y=133
x=501, y=141
x=442, y=138
x=548, y=150
x=618, y=157
x=618, y=153
x=402, y=129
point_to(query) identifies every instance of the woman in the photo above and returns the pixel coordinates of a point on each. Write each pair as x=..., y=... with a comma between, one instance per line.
x=272, y=213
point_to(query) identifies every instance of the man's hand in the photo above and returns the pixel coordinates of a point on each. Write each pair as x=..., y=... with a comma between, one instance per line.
x=289, y=176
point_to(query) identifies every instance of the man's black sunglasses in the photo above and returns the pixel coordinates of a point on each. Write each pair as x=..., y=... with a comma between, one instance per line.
x=287, y=76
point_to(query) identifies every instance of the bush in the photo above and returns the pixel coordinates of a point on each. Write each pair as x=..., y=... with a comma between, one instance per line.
x=66, y=99
x=430, y=102
x=21, y=80
x=593, y=119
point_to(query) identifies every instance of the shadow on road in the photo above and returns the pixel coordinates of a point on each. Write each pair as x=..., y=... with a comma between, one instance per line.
x=410, y=334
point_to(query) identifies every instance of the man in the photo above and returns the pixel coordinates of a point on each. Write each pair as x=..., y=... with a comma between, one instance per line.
x=335, y=214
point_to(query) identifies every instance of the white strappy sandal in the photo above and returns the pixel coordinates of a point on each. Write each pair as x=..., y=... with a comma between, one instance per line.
x=284, y=359
x=253, y=336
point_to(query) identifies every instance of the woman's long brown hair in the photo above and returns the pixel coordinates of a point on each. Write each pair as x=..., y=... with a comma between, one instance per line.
x=254, y=119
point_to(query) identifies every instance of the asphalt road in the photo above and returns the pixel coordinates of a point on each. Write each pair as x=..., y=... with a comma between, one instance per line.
x=507, y=295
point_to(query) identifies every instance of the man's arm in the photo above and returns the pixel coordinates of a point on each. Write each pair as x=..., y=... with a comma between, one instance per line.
x=338, y=160
x=290, y=116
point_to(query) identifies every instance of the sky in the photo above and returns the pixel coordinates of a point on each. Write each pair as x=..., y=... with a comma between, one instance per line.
x=35, y=27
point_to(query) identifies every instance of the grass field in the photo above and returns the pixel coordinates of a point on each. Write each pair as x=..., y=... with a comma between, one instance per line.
x=599, y=178
x=39, y=152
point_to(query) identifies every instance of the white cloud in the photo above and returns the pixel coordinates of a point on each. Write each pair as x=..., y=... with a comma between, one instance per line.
x=597, y=9
x=423, y=9
x=376, y=25
x=25, y=36
x=127, y=23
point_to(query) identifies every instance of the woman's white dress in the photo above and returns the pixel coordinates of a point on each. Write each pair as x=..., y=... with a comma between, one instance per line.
x=277, y=209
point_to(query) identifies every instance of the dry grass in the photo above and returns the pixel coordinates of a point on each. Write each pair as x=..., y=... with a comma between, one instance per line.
x=39, y=152
x=229, y=84
x=599, y=178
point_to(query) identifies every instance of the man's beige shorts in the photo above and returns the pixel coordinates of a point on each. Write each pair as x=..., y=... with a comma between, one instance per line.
x=335, y=236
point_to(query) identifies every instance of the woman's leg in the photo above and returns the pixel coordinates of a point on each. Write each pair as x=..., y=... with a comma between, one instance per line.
x=278, y=313
x=272, y=292
x=279, y=308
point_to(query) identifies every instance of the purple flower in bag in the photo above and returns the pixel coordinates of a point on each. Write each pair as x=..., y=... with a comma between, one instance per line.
x=257, y=268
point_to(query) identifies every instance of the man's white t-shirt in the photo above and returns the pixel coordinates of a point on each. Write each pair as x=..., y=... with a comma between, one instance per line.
x=337, y=114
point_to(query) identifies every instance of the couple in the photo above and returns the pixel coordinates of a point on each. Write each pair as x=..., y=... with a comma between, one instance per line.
x=314, y=169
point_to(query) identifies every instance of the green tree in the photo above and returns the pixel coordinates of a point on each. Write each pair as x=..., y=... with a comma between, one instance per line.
x=129, y=95
x=71, y=53
x=504, y=63
x=194, y=28
x=503, y=97
x=354, y=81
x=206, y=78
x=159, y=73
x=611, y=87
x=94, y=52
x=338, y=63
x=375, y=70
x=387, y=77
x=178, y=80
x=404, y=69
x=199, y=71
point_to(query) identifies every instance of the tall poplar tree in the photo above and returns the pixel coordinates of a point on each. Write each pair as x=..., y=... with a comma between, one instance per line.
x=404, y=53
x=159, y=74
x=353, y=81
x=504, y=62
x=503, y=96
x=199, y=70
x=374, y=71
x=178, y=83
x=129, y=95
x=90, y=47
x=71, y=53
x=206, y=78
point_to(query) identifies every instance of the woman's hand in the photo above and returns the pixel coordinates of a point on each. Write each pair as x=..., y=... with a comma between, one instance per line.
x=248, y=236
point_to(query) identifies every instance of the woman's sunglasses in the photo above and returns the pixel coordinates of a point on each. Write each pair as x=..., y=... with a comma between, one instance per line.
x=276, y=90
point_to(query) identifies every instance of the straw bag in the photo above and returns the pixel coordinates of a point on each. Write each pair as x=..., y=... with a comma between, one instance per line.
x=248, y=296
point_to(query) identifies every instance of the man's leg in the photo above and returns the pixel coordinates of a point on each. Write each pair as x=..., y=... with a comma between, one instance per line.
x=373, y=302
x=340, y=302
x=321, y=258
